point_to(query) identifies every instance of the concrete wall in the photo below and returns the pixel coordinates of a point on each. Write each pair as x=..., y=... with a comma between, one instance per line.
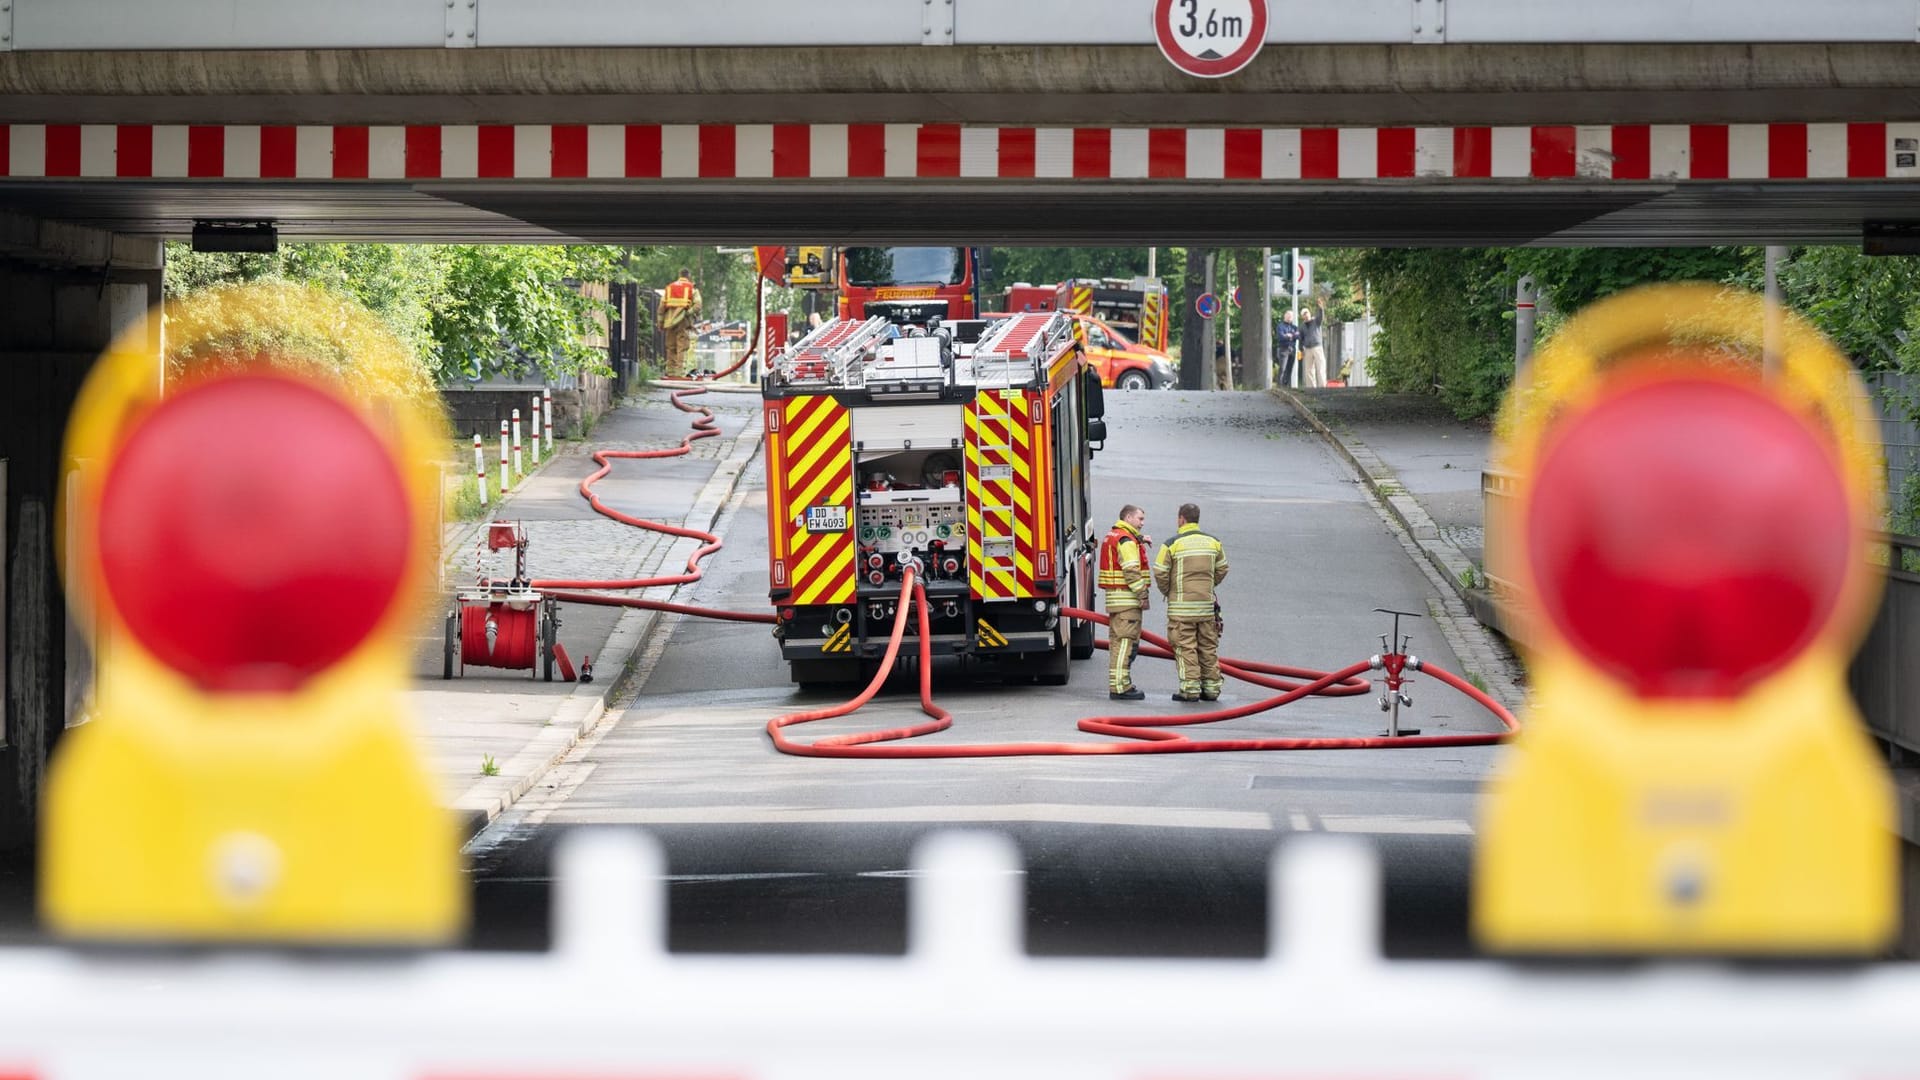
x=56, y=315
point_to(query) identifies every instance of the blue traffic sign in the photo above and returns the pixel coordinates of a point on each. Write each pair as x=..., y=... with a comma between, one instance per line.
x=1207, y=306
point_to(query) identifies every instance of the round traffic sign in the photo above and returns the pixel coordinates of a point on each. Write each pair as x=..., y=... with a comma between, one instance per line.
x=1210, y=38
x=1207, y=305
x=1236, y=296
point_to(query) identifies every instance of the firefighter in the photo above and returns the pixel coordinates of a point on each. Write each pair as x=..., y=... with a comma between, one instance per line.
x=1187, y=569
x=1125, y=582
x=679, y=308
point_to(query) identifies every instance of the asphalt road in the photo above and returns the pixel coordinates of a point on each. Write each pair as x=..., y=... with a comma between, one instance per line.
x=1147, y=855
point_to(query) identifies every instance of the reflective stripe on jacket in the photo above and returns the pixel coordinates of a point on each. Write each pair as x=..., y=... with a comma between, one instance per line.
x=1187, y=569
x=1123, y=572
x=678, y=295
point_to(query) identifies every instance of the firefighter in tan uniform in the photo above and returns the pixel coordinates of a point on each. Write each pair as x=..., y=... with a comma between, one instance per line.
x=679, y=308
x=1186, y=570
x=1125, y=582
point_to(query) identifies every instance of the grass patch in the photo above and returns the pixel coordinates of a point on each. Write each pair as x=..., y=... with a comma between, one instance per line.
x=488, y=766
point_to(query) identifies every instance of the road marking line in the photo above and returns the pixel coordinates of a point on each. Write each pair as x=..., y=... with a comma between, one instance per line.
x=1299, y=822
x=1051, y=813
x=1405, y=824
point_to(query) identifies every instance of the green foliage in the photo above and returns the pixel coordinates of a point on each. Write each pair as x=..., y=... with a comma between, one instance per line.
x=1574, y=277
x=488, y=766
x=1443, y=326
x=518, y=308
x=460, y=309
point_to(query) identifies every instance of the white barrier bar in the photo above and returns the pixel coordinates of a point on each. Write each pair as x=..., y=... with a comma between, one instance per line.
x=480, y=467
x=609, y=1001
x=519, y=464
x=546, y=415
x=533, y=422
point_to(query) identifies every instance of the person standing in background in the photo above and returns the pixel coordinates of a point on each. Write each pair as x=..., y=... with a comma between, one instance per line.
x=679, y=308
x=1286, y=345
x=1313, y=359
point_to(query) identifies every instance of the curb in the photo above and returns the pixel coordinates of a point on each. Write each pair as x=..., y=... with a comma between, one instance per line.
x=586, y=706
x=1413, y=517
x=1422, y=535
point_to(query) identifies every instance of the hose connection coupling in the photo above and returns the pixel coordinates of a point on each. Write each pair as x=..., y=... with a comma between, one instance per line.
x=1413, y=663
x=909, y=561
x=1375, y=662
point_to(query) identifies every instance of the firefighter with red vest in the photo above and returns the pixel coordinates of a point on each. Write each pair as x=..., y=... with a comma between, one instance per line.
x=679, y=307
x=1125, y=581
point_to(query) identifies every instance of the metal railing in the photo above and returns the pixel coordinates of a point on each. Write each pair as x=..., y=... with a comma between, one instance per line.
x=1885, y=676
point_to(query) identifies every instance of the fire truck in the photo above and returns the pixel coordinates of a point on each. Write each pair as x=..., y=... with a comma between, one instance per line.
x=959, y=447
x=1134, y=306
x=908, y=284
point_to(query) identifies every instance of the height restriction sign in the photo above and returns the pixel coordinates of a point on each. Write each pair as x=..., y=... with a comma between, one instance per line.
x=1210, y=38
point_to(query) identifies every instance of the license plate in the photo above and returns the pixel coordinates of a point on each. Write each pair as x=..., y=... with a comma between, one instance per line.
x=825, y=519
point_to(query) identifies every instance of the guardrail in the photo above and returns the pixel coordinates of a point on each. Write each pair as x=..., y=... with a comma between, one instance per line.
x=610, y=1001
x=1885, y=676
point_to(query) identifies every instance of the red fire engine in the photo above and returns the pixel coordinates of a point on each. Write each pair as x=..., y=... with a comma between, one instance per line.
x=961, y=448
x=908, y=284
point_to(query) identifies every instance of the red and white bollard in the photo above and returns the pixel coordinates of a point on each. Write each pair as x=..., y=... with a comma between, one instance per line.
x=506, y=478
x=480, y=467
x=519, y=465
x=546, y=415
x=534, y=421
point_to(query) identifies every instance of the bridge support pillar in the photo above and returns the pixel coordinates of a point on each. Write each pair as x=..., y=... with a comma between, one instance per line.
x=69, y=290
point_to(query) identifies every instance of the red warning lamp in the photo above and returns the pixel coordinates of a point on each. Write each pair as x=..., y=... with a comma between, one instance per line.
x=1690, y=536
x=1686, y=534
x=250, y=545
x=253, y=531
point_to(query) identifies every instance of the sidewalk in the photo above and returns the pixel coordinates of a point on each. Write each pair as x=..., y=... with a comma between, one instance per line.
x=521, y=725
x=1424, y=466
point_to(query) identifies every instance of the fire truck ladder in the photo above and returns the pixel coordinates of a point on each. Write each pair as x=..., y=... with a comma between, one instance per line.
x=1017, y=350
x=832, y=353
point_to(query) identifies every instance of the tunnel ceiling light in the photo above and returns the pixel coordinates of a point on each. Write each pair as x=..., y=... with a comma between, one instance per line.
x=225, y=236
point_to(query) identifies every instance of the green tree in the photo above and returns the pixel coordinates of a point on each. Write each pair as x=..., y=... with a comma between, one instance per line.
x=1575, y=277
x=461, y=309
x=1443, y=326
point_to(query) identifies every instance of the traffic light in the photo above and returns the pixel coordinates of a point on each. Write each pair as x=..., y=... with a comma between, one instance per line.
x=1690, y=537
x=255, y=539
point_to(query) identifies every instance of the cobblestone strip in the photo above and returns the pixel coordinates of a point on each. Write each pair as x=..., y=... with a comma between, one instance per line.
x=581, y=711
x=1481, y=650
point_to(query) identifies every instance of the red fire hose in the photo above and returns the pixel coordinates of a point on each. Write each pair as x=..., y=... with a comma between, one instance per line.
x=1145, y=730
x=703, y=428
x=1145, y=733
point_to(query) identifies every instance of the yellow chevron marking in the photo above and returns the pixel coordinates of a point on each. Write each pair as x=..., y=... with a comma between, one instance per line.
x=1022, y=534
x=833, y=478
x=987, y=636
x=832, y=585
x=838, y=642
x=1023, y=564
x=797, y=436
x=832, y=440
x=813, y=557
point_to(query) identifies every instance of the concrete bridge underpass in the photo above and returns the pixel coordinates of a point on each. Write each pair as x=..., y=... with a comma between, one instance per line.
x=1374, y=122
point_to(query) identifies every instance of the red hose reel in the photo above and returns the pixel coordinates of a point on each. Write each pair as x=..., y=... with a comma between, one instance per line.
x=505, y=624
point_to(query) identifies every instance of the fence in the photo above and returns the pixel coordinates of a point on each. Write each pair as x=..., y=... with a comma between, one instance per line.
x=965, y=1001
